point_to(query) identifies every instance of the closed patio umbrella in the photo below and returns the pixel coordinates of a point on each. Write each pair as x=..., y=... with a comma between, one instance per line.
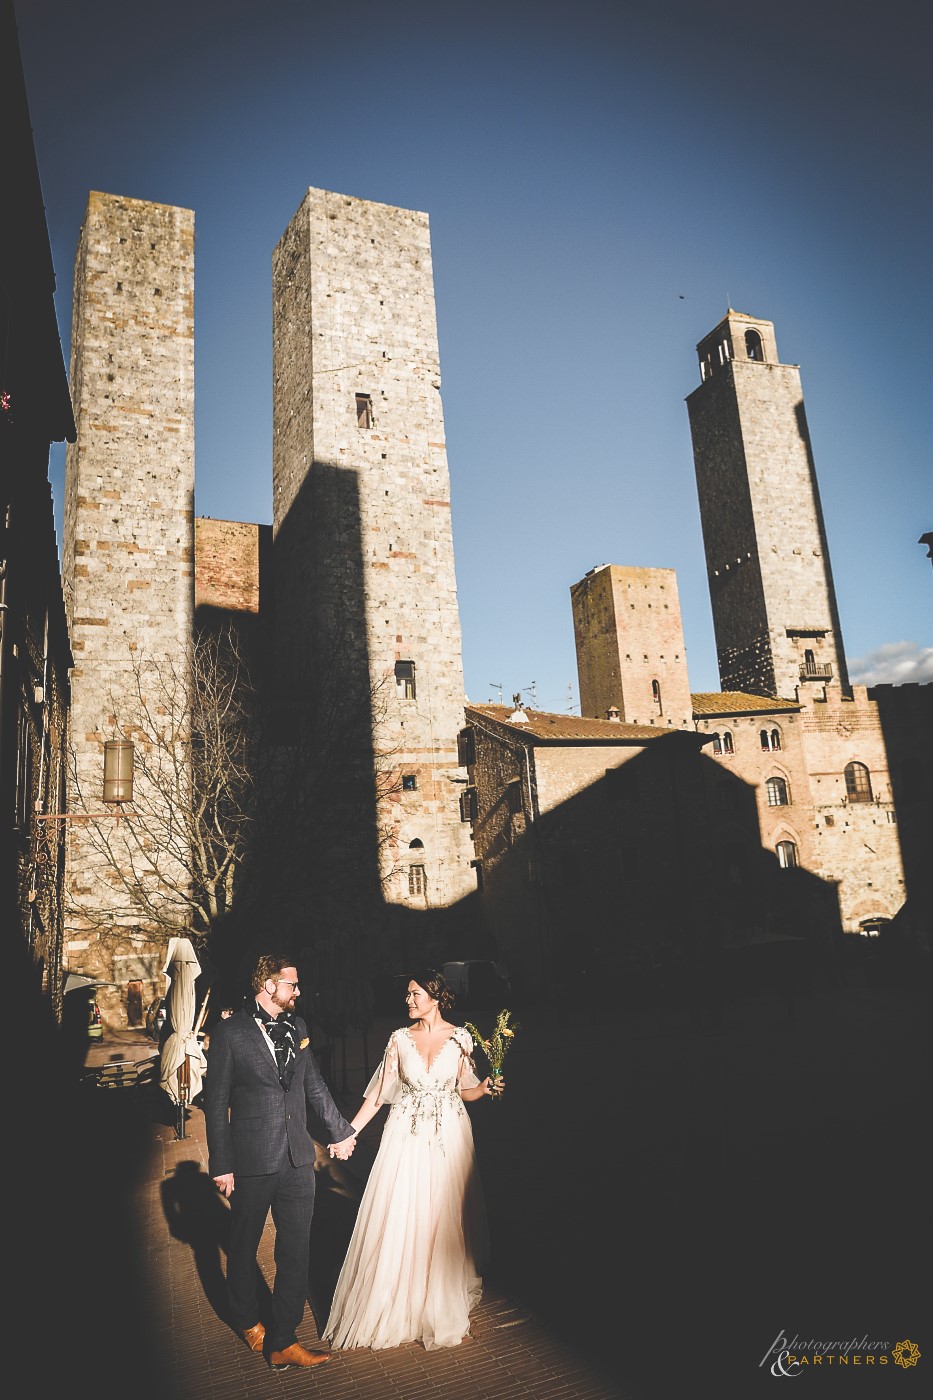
x=182, y=1062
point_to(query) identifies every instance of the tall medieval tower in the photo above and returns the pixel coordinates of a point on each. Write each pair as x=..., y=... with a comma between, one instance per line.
x=629, y=636
x=366, y=595
x=127, y=557
x=774, y=606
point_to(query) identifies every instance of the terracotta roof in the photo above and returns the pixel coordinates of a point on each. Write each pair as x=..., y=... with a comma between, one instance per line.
x=738, y=702
x=543, y=725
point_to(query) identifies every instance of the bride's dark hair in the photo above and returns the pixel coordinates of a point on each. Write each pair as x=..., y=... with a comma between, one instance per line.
x=433, y=981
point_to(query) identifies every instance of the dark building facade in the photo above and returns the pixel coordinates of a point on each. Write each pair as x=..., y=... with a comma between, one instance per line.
x=35, y=656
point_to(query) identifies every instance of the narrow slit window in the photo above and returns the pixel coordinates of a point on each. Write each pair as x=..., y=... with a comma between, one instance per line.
x=405, y=680
x=364, y=411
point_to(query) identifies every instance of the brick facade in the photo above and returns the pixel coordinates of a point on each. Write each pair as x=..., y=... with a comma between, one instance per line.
x=227, y=556
x=630, y=646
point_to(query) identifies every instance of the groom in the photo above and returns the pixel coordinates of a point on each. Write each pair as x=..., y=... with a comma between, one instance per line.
x=261, y=1080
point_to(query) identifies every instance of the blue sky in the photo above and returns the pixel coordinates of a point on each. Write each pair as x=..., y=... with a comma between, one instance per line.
x=602, y=181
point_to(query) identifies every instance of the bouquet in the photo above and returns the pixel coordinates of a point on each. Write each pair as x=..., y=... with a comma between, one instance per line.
x=496, y=1045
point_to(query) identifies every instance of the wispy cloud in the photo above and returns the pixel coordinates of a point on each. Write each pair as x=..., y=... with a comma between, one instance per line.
x=895, y=663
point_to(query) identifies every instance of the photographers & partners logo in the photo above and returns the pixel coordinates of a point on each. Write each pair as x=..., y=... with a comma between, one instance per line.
x=792, y=1359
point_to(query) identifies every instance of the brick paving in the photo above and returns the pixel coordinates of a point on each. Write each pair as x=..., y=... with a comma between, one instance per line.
x=664, y=1198
x=180, y=1223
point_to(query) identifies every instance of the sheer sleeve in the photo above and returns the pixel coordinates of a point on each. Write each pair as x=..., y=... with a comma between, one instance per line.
x=466, y=1071
x=384, y=1085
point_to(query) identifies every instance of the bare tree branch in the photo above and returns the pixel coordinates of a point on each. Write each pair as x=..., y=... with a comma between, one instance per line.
x=241, y=800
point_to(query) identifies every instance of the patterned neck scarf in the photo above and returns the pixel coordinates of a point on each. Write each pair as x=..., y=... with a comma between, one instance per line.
x=281, y=1031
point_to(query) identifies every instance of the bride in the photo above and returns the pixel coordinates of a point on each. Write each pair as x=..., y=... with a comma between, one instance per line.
x=413, y=1267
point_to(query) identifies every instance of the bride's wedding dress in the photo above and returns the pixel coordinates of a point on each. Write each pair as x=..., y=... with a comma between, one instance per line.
x=413, y=1266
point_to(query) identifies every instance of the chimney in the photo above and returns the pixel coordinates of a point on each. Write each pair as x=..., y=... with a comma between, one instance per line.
x=612, y=714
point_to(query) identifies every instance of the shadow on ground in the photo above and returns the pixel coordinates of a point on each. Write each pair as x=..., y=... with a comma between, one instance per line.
x=668, y=1198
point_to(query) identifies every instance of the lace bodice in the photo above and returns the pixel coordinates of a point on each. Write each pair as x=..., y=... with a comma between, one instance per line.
x=420, y=1091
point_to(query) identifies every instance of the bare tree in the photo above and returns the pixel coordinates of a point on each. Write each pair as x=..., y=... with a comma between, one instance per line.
x=242, y=801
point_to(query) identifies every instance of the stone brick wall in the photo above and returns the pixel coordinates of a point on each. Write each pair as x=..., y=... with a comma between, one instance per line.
x=857, y=844
x=754, y=765
x=629, y=635
x=767, y=558
x=128, y=528
x=363, y=545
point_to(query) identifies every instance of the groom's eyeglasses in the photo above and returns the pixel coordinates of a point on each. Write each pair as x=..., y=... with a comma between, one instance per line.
x=287, y=982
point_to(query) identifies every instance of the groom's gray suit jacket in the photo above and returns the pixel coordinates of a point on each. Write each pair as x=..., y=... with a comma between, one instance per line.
x=254, y=1125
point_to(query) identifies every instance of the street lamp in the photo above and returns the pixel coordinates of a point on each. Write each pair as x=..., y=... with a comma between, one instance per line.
x=118, y=786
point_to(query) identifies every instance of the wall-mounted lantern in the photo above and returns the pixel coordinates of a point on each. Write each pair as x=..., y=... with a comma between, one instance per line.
x=118, y=770
x=118, y=786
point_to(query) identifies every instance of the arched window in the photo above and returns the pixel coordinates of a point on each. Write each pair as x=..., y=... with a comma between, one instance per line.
x=775, y=738
x=858, y=782
x=416, y=845
x=776, y=789
x=787, y=855
x=753, y=347
x=656, y=695
x=770, y=738
x=727, y=743
x=717, y=743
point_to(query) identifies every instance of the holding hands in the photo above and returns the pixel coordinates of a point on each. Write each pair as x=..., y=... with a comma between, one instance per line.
x=342, y=1150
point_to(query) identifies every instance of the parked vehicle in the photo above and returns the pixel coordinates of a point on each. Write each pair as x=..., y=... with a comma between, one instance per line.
x=478, y=984
x=95, y=1025
x=155, y=1018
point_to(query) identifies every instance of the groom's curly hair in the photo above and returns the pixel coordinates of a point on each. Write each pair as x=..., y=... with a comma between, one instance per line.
x=433, y=981
x=269, y=965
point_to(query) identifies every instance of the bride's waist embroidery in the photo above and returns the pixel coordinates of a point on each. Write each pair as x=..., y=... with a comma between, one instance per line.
x=425, y=1106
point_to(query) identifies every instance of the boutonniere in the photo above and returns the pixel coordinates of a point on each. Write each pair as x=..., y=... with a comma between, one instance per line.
x=305, y=1043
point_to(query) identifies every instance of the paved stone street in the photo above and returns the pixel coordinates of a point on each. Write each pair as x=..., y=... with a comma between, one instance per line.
x=665, y=1196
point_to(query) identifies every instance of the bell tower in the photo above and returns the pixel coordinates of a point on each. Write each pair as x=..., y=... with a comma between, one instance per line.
x=771, y=587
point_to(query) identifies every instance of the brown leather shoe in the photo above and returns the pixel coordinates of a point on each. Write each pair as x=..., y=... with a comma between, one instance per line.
x=254, y=1336
x=296, y=1355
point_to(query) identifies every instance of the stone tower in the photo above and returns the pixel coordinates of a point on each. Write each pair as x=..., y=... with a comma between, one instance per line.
x=127, y=545
x=774, y=606
x=366, y=596
x=630, y=646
